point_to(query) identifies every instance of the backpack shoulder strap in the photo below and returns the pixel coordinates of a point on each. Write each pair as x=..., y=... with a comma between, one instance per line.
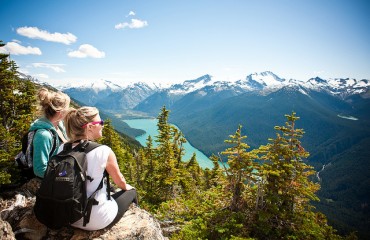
x=91, y=146
x=92, y=201
x=84, y=147
x=67, y=146
x=106, y=174
x=54, y=144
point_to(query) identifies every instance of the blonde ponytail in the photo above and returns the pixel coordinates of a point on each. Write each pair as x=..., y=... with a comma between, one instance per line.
x=76, y=118
x=52, y=102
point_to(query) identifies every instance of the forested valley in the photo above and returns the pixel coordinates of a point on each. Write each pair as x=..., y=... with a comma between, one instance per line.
x=264, y=193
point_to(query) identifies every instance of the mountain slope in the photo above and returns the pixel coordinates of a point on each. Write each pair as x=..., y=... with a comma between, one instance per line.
x=126, y=98
x=257, y=112
x=340, y=143
x=344, y=194
x=156, y=101
x=92, y=93
x=167, y=97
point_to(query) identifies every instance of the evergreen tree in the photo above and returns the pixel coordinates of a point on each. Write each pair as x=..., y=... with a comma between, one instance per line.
x=286, y=185
x=151, y=164
x=190, y=177
x=242, y=170
x=268, y=200
x=168, y=173
x=214, y=177
x=151, y=179
x=178, y=141
x=165, y=175
x=194, y=169
x=17, y=110
x=7, y=143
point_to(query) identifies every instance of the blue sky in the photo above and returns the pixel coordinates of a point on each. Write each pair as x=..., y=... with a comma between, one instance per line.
x=168, y=41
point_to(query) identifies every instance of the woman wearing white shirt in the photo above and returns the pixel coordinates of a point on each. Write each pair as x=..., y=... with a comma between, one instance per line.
x=85, y=124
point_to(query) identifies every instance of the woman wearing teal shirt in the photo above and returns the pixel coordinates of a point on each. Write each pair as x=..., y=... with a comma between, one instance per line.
x=52, y=106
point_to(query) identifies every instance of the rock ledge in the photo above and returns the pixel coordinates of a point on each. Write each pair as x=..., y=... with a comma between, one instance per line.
x=18, y=222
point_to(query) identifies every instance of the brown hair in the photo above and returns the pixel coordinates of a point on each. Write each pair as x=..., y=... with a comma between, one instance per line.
x=52, y=102
x=76, y=118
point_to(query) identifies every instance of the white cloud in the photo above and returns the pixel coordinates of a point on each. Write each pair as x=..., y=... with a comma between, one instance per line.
x=17, y=41
x=87, y=50
x=131, y=13
x=35, y=33
x=17, y=49
x=135, y=23
x=55, y=67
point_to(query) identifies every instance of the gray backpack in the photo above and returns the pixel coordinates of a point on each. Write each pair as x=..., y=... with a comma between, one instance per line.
x=61, y=199
x=24, y=159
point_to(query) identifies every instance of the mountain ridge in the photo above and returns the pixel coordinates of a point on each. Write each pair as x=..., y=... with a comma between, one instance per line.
x=252, y=82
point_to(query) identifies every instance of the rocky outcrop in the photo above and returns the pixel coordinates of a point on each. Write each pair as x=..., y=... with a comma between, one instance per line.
x=6, y=232
x=18, y=221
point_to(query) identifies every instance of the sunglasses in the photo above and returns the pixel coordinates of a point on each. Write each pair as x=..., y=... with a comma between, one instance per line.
x=101, y=122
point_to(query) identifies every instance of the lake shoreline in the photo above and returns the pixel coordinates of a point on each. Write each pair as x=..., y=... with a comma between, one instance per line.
x=149, y=125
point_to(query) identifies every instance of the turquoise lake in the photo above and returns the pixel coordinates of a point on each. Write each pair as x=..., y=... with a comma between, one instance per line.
x=150, y=128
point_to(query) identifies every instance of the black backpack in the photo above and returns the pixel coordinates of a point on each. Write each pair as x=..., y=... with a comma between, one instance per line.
x=24, y=159
x=62, y=199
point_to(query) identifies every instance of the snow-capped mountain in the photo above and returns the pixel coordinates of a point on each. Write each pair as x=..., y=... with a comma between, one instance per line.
x=267, y=82
x=97, y=86
x=104, y=85
x=190, y=85
x=148, y=97
x=339, y=86
x=259, y=81
x=128, y=97
x=270, y=82
x=256, y=81
x=105, y=92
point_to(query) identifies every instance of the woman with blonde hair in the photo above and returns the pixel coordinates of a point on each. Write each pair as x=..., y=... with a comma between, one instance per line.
x=85, y=124
x=50, y=132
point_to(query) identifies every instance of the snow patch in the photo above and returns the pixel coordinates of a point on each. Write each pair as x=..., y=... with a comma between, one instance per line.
x=347, y=117
x=303, y=92
x=202, y=93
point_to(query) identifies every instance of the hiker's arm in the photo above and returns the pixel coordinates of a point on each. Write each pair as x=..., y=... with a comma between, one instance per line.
x=113, y=171
x=42, y=143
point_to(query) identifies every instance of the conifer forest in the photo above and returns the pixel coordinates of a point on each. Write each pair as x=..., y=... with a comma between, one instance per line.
x=261, y=193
